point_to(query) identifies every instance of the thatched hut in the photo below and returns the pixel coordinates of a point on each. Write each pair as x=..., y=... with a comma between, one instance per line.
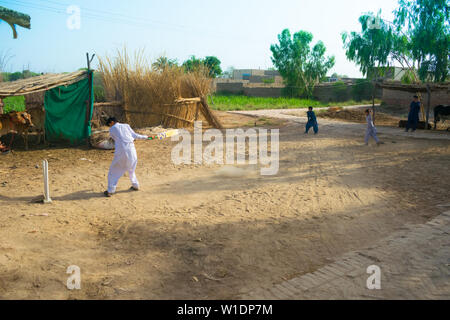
x=35, y=100
x=168, y=96
x=67, y=99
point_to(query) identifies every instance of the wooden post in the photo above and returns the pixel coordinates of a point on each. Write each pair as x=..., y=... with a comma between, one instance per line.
x=1, y=106
x=373, y=101
x=90, y=80
x=47, y=198
x=428, y=106
x=197, y=105
x=212, y=119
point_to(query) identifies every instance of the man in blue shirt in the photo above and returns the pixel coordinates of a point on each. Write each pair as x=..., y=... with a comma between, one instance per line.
x=312, y=121
x=413, y=117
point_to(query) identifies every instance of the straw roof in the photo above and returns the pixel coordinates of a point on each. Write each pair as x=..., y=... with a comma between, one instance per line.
x=40, y=83
x=414, y=88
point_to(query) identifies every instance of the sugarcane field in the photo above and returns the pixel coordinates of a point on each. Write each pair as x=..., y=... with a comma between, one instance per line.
x=296, y=167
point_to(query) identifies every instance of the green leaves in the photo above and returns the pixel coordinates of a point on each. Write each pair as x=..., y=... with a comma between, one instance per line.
x=370, y=48
x=418, y=40
x=426, y=24
x=301, y=66
x=163, y=62
x=213, y=64
x=210, y=62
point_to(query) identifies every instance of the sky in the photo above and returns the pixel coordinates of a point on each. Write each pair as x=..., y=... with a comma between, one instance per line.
x=238, y=32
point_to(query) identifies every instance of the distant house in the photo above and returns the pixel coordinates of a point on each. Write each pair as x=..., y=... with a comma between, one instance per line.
x=387, y=73
x=257, y=76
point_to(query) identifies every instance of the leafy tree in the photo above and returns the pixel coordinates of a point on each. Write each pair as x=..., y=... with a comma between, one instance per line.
x=371, y=48
x=301, y=66
x=427, y=35
x=192, y=64
x=163, y=62
x=418, y=40
x=213, y=64
x=15, y=76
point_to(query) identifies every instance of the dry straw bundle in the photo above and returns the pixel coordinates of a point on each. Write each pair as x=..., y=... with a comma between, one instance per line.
x=156, y=96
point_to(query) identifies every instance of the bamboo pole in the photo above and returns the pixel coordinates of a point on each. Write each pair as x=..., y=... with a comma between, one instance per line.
x=428, y=106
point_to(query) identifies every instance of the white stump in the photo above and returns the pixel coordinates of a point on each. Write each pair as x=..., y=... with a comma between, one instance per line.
x=47, y=198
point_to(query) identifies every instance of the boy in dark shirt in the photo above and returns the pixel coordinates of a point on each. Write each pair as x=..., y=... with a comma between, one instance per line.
x=312, y=121
x=413, y=117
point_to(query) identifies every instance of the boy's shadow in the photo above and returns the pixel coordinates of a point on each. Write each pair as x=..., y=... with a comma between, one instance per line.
x=80, y=195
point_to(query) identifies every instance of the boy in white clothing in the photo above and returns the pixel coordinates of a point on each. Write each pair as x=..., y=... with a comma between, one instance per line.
x=371, y=130
x=125, y=156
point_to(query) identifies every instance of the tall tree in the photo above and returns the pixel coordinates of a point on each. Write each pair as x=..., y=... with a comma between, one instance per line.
x=371, y=47
x=427, y=34
x=163, y=62
x=213, y=64
x=301, y=66
x=192, y=64
x=417, y=40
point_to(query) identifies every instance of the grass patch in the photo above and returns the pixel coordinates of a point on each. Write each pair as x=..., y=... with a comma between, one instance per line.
x=236, y=103
x=14, y=104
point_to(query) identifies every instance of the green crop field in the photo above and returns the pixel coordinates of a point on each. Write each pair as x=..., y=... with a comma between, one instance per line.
x=235, y=103
x=14, y=104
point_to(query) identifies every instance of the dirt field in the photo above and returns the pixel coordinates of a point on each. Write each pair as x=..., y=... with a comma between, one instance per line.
x=193, y=234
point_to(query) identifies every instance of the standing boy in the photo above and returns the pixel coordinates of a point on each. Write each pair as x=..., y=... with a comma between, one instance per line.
x=371, y=130
x=125, y=156
x=312, y=121
x=413, y=117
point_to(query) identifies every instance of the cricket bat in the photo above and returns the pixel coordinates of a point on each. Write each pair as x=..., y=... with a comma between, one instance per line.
x=164, y=135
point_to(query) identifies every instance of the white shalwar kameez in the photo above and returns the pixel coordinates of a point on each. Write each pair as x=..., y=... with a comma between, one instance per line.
x=125, y=156
x=371, y=130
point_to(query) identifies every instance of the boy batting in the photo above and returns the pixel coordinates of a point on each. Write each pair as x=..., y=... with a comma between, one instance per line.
x=125, y=156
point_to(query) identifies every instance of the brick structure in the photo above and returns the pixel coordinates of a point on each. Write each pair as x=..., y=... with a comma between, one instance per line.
x=324, y=92
x=401, y=98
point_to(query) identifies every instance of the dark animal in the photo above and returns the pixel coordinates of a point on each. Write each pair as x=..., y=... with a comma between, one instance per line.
x=441, y=113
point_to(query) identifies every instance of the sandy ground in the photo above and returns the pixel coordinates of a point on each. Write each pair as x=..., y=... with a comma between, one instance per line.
x=193, y=234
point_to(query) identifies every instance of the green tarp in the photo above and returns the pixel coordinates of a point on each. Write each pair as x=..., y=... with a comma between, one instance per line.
x=68, y=112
